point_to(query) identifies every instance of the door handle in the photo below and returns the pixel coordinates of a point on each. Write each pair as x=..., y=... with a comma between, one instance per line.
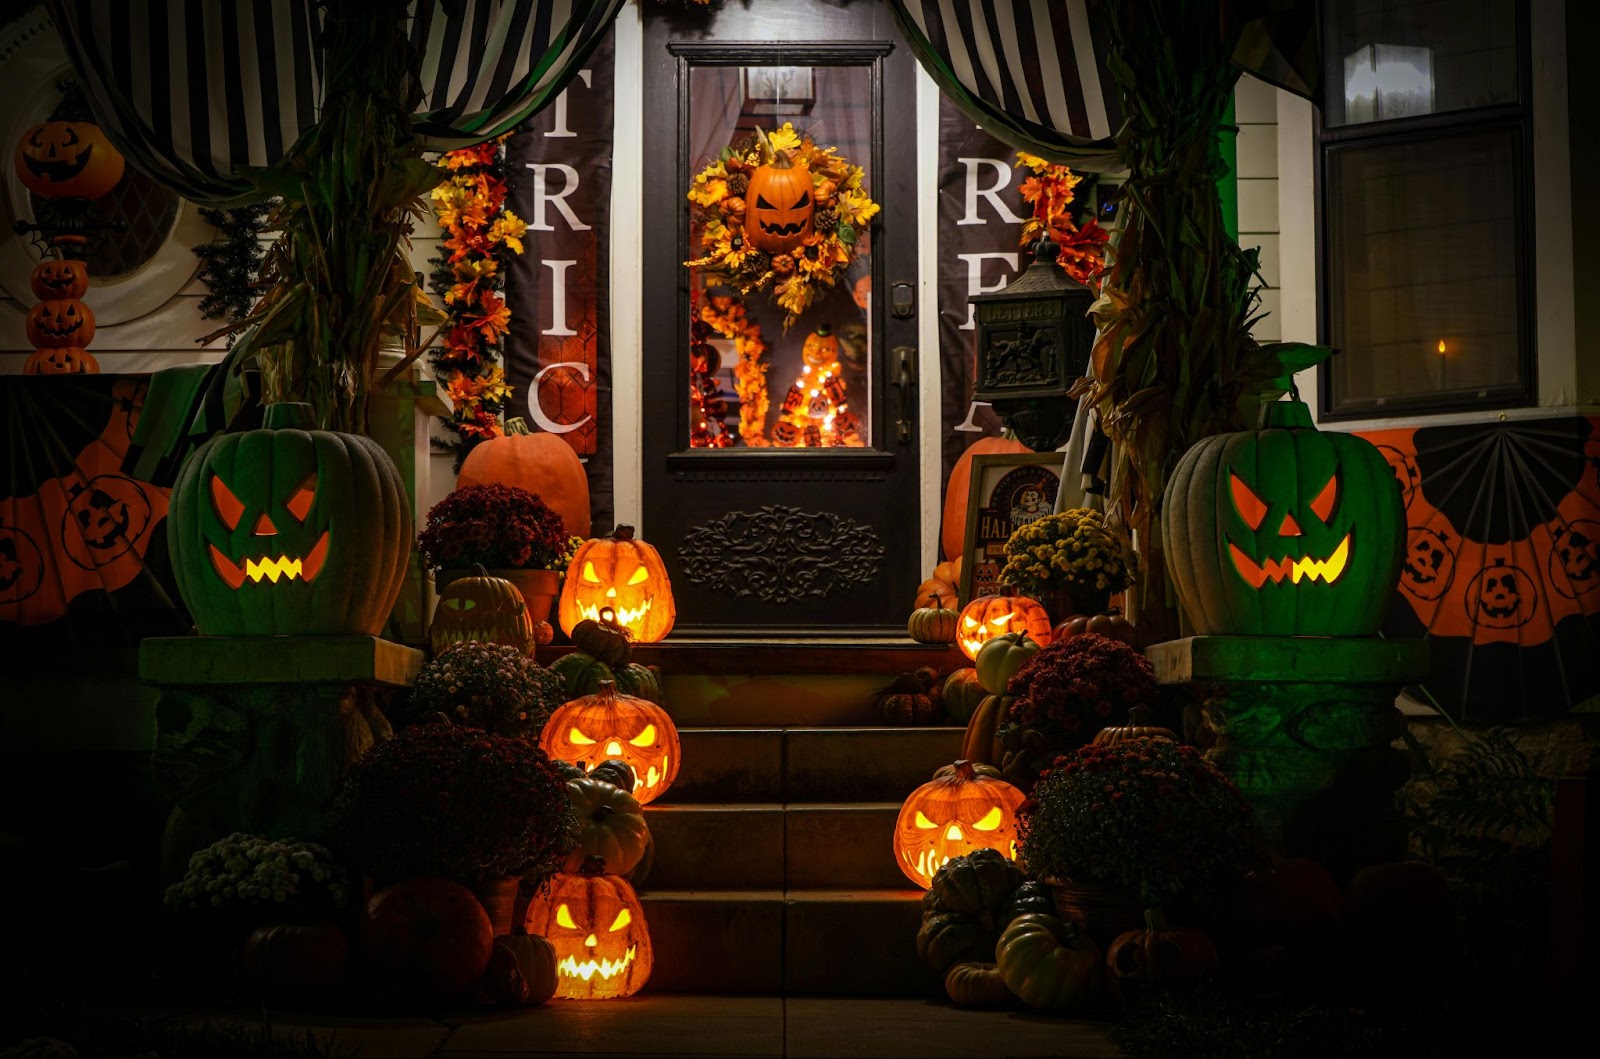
x=905, y=378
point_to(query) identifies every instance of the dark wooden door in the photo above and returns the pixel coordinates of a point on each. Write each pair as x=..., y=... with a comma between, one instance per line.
x=764, y=539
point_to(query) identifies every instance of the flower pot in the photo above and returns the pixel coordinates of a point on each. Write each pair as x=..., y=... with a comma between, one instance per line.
x=1100, y=911
x=538, y=587
x=499, y=898
x=1063, y=603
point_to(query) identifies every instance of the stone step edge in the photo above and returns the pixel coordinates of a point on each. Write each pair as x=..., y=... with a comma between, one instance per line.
x=770, y=807
x=781, y=896
x=811, y=729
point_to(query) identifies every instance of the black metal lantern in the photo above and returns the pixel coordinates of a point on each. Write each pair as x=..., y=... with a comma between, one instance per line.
x=1034, y=339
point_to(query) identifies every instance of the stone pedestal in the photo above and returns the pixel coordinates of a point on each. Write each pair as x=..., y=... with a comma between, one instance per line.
x=1304, y=726
x=252, y=732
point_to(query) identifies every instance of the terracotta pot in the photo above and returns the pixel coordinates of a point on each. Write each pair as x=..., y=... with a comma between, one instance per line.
x=538, y=587
x=1063, y=603
x=1100, y=911
x=499, y=898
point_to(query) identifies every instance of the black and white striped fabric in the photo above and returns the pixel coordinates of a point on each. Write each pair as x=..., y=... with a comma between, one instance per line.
x=194, y=91
x=1031, y=72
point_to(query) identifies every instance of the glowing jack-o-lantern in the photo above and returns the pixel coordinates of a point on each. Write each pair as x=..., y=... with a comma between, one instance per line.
x=56, y=278
x=595, y=728
x=778, y=205
x=596, y=925
x=289, y=530
x=59, y=323
x=483, y=608
x=989, y=616
x=622, y=573
x=68, y=159
x=1284, y=531
x=965, y=807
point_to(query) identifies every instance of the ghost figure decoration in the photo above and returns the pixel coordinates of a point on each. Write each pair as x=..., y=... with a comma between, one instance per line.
x=965, y=807
x=608, y=725
x=625, y=574
x=1284, y=531
x=288, y=529
x=597, y=927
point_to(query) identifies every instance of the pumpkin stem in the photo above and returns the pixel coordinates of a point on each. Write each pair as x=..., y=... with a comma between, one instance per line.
x=593, y=864
x=780, y=159
x=1138, y=716
x=517, y=427
x=479, y=571
x=1155, y=920
x=602, y=811
x=964, y=771
x=607, y=691
x=1006, y=590
x=622, y=533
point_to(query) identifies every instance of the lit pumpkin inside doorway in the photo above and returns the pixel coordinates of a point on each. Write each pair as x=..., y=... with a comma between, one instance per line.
x=965, y=807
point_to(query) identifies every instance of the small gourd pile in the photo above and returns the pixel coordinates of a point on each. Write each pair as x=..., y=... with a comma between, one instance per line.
x=605, y=652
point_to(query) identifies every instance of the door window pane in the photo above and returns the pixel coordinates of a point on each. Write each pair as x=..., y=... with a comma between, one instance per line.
x=753, y=384
x=1423, y=265
x=1403, y=58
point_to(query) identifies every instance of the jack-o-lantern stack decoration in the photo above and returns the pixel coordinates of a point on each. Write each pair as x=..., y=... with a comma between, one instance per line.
x=483, y=608
x=1004, y=612
x=597, y=927
x=288, y=529
x=816, y=408
x=60, y=325
x=1284, y=531
x=68, y=159
x=964, y=808
x=606, y=725
x=778, y=204
x=626, y=574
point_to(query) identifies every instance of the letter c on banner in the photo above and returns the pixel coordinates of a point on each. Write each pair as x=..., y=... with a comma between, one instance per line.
x=537, y=414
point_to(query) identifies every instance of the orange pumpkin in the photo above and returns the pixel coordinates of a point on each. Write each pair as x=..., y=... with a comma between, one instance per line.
x=953, y=529
x=59, y=278
x=989, y=616
x=595, y=728
x=821, y=348
x=946, y=581
x=597, y=927
x=483, y=608
x=965, y=807
x=60, y=322
x=61, y=360
x=778, y=204
x=622, y=573
x=540, y=463
x=68, y=159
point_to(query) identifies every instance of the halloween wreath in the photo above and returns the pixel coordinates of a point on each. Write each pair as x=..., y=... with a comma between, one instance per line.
x=780, y=214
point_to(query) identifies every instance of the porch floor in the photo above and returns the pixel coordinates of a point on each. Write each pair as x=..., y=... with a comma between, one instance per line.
x=683, y=1027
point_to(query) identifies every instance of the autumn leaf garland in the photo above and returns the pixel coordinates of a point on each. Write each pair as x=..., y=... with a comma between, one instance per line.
x=481, y=236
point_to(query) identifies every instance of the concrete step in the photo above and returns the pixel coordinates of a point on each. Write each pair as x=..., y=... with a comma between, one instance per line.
x=830, y=764
x=796, y=942
x=766, y=846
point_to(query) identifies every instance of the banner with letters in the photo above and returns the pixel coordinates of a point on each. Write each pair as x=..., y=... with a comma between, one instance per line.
x=558, y=353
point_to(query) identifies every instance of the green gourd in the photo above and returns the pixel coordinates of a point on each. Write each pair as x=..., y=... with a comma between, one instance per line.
x=288, y=529
x=1284, y=531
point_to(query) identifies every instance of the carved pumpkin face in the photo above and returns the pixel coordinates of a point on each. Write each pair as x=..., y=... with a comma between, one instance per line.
x=821, y=348
x=482, y=608
x=1502, y=596
x=622, y=573
x=1284, y=531
x=595, y=728
x=59, y=323
x=54, y=278
x=965, y=807
x=68, y=159
x=779, y=205
x=104, y=516
x=989, y=616
x=61, y=360
x=21, y=565
x=1575, y=558
x=1430, y=563
x=289, y=530
x=598, y=929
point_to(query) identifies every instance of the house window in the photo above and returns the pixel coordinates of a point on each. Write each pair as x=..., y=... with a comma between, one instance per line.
x=1426, y=212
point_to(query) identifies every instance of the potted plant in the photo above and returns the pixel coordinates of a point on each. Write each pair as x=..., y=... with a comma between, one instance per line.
x=507, y=530
x=484, y=685
x=1071, y=561
x=440, y=800
x=1118, y=828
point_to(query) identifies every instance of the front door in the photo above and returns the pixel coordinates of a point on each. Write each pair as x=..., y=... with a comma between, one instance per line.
x=780, y=463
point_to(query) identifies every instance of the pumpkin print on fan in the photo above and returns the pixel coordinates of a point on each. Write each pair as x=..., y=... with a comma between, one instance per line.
x=625, y=574
x=61, y=360
x=59, y=323
x=1004, y=612
x=289, y=530
x=55, y=278
x=1501, y=596
x=964, y=808
x=595, y=728
x=482, y=608
x=1284, y=531
x=598, y=929
x=1430, y=563
x=778, y=204
x=68, y=159
x=1575, y=558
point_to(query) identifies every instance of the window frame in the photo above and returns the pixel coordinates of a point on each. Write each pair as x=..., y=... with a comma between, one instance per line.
x=1516, y=117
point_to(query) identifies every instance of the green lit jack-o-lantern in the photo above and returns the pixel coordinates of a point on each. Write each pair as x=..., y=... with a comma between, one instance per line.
x=288, y=529
x=1284, y=531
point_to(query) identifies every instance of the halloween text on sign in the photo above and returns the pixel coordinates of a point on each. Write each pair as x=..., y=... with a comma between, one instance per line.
x=558, y=358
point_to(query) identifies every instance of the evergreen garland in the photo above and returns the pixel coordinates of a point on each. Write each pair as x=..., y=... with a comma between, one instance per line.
x=230, y=263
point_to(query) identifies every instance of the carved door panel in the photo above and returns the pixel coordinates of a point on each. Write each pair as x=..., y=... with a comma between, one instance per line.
x=780, y=465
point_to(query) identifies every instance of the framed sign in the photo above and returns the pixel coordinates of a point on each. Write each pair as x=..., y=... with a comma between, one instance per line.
x=1008, y=490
